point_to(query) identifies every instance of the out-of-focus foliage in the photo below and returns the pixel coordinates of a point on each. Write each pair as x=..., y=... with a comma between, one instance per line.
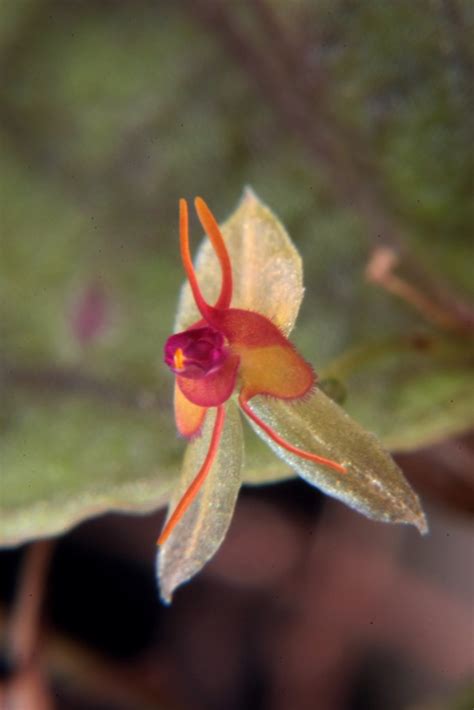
x=110, y=112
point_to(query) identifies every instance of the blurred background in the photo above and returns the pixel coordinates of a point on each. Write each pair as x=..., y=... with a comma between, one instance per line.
x=353, y=122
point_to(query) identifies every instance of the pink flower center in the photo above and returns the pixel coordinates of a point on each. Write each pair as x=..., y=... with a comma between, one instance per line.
x=196, y=352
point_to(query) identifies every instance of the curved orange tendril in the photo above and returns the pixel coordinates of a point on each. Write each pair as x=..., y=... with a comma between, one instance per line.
x=204, y=308
x=210, y=226
x=285, y=444
x=212, y=230
x=199, y=479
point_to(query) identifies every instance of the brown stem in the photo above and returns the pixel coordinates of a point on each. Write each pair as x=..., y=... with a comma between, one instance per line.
x=446, y=313
x=25, y=618
x=137, y=684
x=27, y=686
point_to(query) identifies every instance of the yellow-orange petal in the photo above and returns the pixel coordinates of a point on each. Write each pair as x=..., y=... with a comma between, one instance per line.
x=189, y=417
x=276, y=370
x=269, y=363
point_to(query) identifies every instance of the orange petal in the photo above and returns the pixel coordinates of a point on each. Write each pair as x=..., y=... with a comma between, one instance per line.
x=189, y=417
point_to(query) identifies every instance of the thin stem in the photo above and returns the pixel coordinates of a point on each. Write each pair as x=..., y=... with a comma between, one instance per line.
x=201, y=476
x=301, y=453
x=25, y=620
x=450, y=316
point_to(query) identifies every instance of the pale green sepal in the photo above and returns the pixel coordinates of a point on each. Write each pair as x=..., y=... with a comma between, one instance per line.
x=200, y=532
x=373, y=484
x=267, y=269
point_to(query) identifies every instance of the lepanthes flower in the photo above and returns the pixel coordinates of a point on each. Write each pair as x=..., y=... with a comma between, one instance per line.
x=232, y=352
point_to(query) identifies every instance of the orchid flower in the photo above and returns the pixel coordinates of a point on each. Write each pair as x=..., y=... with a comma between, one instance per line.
x=232, y=349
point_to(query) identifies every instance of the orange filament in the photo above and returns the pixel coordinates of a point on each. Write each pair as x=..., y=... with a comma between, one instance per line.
x=193, y=489
x=286, y=445
x=212, y=230
x=210, y=225
x=204, y=308
x=178, y=359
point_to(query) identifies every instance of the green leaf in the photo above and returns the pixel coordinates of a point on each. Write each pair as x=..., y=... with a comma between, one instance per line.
x=64, y=459
x=201, y=530
x=373, y=484
x=266, y=267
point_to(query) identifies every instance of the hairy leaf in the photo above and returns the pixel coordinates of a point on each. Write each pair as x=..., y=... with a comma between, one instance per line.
x=202, y=528
x=67, y=458
x=373, y=484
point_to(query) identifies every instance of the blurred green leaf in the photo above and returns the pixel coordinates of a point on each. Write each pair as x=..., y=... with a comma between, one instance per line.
x=411, y=390
x=68, y=457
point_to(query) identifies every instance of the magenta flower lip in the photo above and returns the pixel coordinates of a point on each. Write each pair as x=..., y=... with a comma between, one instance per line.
x=196, y=352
